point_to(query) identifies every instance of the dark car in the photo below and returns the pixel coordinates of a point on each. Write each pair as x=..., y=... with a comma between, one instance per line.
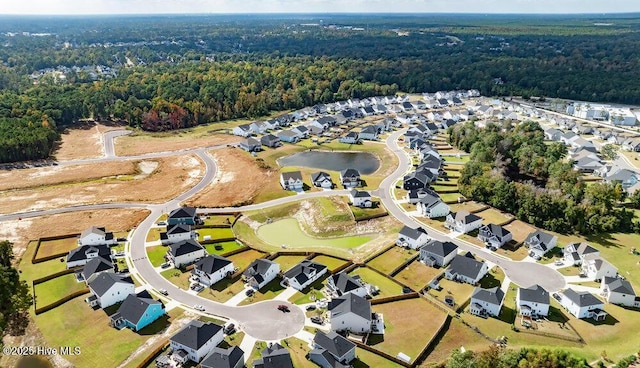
x=311, y=307
x=406, y=290
x=317, y=320
x=249, y=292
x=283, y=308
x=229, y=329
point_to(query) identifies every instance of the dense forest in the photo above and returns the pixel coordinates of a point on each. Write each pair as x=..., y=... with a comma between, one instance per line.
x=162, y=73
x=15, y=296
x=513, y=169
x=497, y=357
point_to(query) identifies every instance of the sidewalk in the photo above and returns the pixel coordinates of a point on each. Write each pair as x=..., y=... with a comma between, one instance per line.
x=247, y=345
x=236, y=299
x=286, y=294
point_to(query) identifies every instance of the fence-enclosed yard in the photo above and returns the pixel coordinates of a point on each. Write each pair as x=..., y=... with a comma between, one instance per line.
x=391, y=259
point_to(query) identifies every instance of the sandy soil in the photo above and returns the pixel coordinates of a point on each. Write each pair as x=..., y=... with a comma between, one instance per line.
x=173, y=176
x=238, y=181
x=83, y=140
x=137, y=144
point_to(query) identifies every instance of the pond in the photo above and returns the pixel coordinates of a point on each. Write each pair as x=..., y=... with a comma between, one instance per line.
x=366, y=163
x=33, y=362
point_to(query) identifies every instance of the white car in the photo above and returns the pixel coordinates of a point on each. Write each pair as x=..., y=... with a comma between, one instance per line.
x=198, y=307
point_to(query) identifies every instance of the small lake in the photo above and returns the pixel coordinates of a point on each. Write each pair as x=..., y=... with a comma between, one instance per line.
x=366, y=163
x=33, y=362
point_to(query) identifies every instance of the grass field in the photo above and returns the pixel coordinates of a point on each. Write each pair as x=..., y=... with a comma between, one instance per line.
x=178, y=278
x=391, y=259
x=368, y=359
x=287, y=232
x=51, y=247
x=360, y=213
x=243, y=259
x=55, y=289
x=417, y=275
x=156, y=254
x=456, y=337
x=269, y=291
x=448, y=197
x=227, y=247
x=520, y=230
x=400, y=322
x=453, y=159
x=30, y=272
x=215, y=233
x=298, y=350
x=331, y=262
x=154, y=234
x=210, y=220
x=493, y=216
x=310, y=293
x=387, y=286
x=461, y=292
x=286, y=262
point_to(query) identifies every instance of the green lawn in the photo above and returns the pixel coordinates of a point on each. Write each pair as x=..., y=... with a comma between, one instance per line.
x=215, y=233
x=456, y=336
x=287, y=232
x=223, y=290
x=360, y=213
x=448, y=197
x=269, y=291
x=154, y=234
x=156, y=254
x=31, y=271
x=217, y=220
x=311, y=293
x=298, y=350
x=286, y=262
x=243, y=259
x=331, y=262
x=492, y=216
x=51, y=247
x=387, y=286
x=461, y=292
x=178, y=278
x=454, y=159
x=226, y=247
x=417, y=275
x=274, y=213
x=391, y=259
x=56, y=289
x=368, y=359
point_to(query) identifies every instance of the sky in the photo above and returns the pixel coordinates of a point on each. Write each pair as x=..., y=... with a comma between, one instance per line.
x=76, y=7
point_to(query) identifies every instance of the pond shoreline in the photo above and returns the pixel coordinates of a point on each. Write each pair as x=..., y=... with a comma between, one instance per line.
x=365, y=162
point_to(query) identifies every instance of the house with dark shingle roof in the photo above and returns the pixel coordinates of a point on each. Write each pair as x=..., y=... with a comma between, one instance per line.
x=260, y=272
x=432, y=206
x=369, y=132
x=292, y=181
x=360, y=198
x=243, y=130
x=183, y=215
x=465, y=268
x=303, y=274
x=270, y=141
x=213, y=268
x=250, y=145
x=289, y=136
x=96, y=236
x=232, y=357
x=81, y=255
x=185, y=252
x=437, y=253
x=533, y=301
x=137, y=312
x=574, y=253
x=108, y=289
x=412, y=238
x=618, y=291
x=416, y=180
x=486, y=302
x=274, y=356
x=321, y=179
x=95, y=266
x=331, y=350
x=352, y=313
x=462, y=221
x=342, y=283
x=197, y=339
x=494, y=235
x=350, y=178
x=595, y=268
x=176, y=233
x=583, y=304
x=539, y=243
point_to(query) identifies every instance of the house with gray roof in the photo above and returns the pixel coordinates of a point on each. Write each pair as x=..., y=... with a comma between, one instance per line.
x=288, y=136
x=486, y=302
x=196, y=339
x=582, y=304
x=625, y=177
x=137, y=312
x=96, y=236
x=81, y=255
x=438, y=254
x=539, y=243
x=533, y=301
x=574, y=253
x=350, y=178
x=595, y=268
x=416, y=180
x=292, y=181
x=431, y=206
x=494, y=235
x=321, y=179
x=302, y=131
x=331, y=350
x=360, y=198
x=232, y=357
x=274, y=356
x=183, y=215
x=108, y=289
x=303, y=274
x=352, y=313
x=176, y=233
x=341, y=283
x=243, y=130
x=350, y=138
x=412, y=238
x=462, y=221
x=212, y=269
x=250, y=145
x=619, y=291
x=270, y=141
x=95, y=266
x=369, y=133
x=465, y=268
x=185, y=252
x=260, y=272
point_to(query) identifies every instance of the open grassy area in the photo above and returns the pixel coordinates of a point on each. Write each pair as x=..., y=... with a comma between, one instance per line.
x=570, y=271
x=156, y=254
x=470, y=206
x=56, y=289
x=269, y=291
x=178, y=278
x=223, y=290
x=331, y=262
x=366, y=359
x=456, y=337
x=493, y=216
x=455, y=159
x=222, y=248
x=287, y=232
x=417, y=275
x=154, y=234
x=387, y=286
x=361, y=213
x=145, y=142
x=400, y=320
x=391, y=259
x=214, y=233
x=51, y=247
x=460, y=292
x=448, y=197
x=243, y=259
x=298, y=350
x=310, y=294
x=30, y=272
x=520, y=230
x=273, y=213
x=286, y=262
x=210, y=220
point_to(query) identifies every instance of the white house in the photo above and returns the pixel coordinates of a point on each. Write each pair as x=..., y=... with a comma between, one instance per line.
x=486, y=302
x=432, y=206
x=583, y=304
x=185, y=252
x=596, y=268
x=369, y=132
x=242, y=130
x=618, y=291
x=258, y=127
x=575, y=253
x=260, y=272
x=96, y=236
x=212, y=269
x=494, y=235
x=360, y=198
x=303, y=274
x=539, y=243
x=412, y=238
x=108, y=289
x=176, y=233
x=350, y=178
x=292, y=181
x=437, y=253
x=465, y=268
x=463, y=221
x=196, y=339
x=340, y=284
x=533, y=301
x=352, y=313
x=331, y=350
x=321, y=179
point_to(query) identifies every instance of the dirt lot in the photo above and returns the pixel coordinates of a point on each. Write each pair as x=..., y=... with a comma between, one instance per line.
x=172, y=176
x=21, y=231
x=83, y=140
x=238, y=182
x=140, y=143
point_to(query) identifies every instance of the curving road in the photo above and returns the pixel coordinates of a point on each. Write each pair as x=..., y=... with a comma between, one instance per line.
x=109, y=138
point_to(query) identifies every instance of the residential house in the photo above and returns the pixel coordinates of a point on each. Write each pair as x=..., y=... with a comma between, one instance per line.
x=360, y=198
x=274, y=124
x=274, y=356
x=406, y=106
x=320, y=108
x=96, y=236
x=270, y=141
x=367, y=111
x=417, y=143
x=616, y=290
x=626, y=178
x=553, y=134
x=81, y=255
x=582, y=304
x=331, y=350
x=587, y=164
x=321, y=179
x=631, y=144
x=243, y=130
x=575, y=253
x=176, y=233
x=438, y=254
x=108, y=289
x=533, y=301
x=486, y=302
x=414, y=196
x=582, y=129
x=213, y=268
x=350, y=138
x=303, y=274
x=412, y=238
x=231, y=357
x=369, y=133
x=258, y=127
x=289, y=136
x=185, y=252
x=431, y=164
x=539, y=243
x=418, y=105
x=301, y=131
x=432, y=206
x=137, y=312
x=494, y=235
x=425, y=153
x=350, y=178
x=327, y=121
x=463, y=221
x=183, y=215
x=352, y=313
x=292, y=181
x=465, y=268
x=96, y=266
x=596, y=268
x=260, y=272
x=196, y=339
x=341, y=283
x=416, y=180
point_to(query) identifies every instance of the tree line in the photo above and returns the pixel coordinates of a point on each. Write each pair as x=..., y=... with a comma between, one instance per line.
x=15, y=296
x=497, y=357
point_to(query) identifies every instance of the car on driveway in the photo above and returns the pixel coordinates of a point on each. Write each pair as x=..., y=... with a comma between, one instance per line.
x=311, y=307
x=229, y=329
x=283, y=308
x=249, y=292
x=197, y=288
x=162, y=223
x=558, y=263
x=165, y=265
x=317, y=320
x=198, y=307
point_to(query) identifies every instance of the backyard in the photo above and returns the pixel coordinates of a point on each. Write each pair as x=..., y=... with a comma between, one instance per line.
x=331, y=262
x=417, y=275
x=387, y=286
x=391, y=259
x=58, y=246
x=243, y=259
x=222, y=248
x=156, y=254
x=55, y=289
x=214, y=234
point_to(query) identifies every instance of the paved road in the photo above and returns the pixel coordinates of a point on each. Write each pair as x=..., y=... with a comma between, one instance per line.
x=522, y=274
x=108, y=139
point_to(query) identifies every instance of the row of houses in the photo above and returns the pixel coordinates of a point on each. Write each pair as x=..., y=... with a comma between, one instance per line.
x=349, y=178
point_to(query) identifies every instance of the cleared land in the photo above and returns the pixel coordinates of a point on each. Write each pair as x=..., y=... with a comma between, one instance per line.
x=520, y=230
x=140, y=143
x=83, y=140
x=417, y=275
x=493, y=216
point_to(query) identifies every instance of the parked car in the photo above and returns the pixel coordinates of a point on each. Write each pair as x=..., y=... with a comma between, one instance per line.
x=249, y=292
x=121, y=239
x=162, y=223
x=558, y=263
x=163, y=291
x=198, y=307
x=283, y=308
x=165, y=265
x=228, y=328
x=311, y=307
x=317, y=320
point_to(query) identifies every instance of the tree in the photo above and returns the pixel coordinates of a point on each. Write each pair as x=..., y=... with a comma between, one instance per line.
x=15, y=297
x=609, y=151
